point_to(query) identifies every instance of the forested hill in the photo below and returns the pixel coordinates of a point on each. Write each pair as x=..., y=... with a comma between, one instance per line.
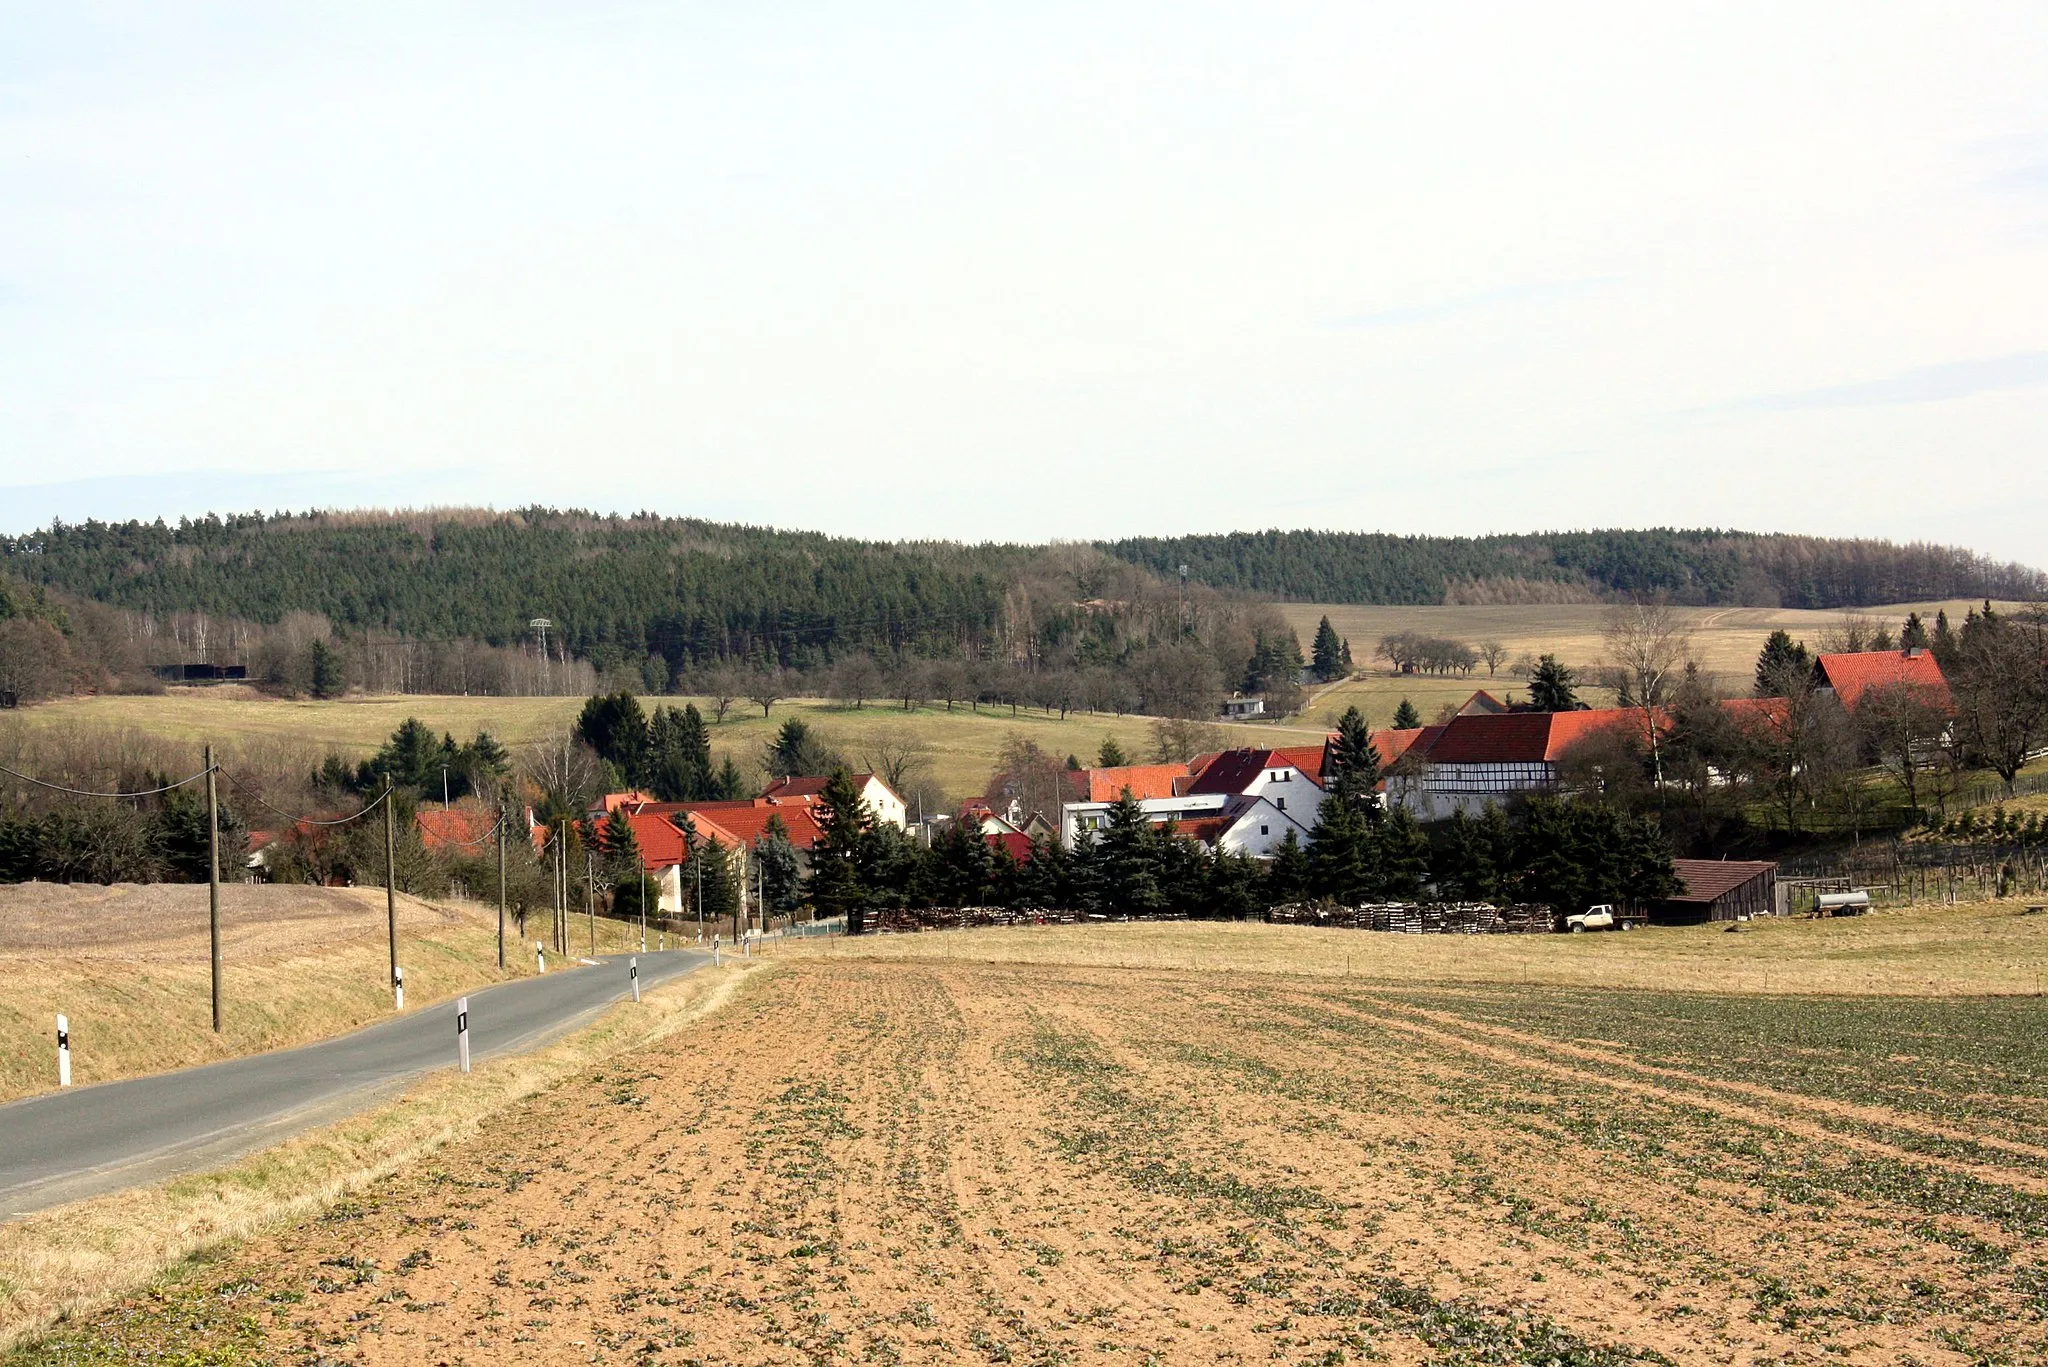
x=693, y=590
x=1699, y=567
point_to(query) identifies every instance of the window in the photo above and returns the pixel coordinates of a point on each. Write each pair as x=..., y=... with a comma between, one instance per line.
x=1281, y=803
x=1262, y=830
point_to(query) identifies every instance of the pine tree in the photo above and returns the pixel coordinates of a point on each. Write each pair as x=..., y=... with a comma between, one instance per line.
x=1946, y=647
x=1401, y=860
x=1552, y=687
x=1328, y=652
x=1345, y=655
x=1913, y=635
x=1340, y=855
x=1130, y=859
x=1111, y=755
x=782, y=884
x=329, y=679
x=840, y=855
x=721, y=897
x=1354, y=766
x=963, y=864
x=1289, y=876
x=1406, y=718
x=1781, y=665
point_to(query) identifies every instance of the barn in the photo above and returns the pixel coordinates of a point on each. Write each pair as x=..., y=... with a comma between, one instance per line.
x=1718, y=890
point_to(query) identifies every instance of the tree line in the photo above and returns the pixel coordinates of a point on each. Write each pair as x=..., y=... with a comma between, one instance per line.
x=1698, y=567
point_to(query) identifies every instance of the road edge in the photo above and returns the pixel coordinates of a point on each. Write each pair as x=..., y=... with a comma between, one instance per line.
x=70, y=1259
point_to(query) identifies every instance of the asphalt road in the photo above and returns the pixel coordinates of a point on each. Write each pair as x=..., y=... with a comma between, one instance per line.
x=64, y=1146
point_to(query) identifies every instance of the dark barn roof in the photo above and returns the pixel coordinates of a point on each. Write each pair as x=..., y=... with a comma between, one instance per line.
x=1707, y=879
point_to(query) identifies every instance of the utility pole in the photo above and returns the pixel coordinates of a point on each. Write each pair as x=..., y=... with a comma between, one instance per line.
x=391, y=877
x=561, y=890
x=504, y=815
x=213, y=880
x=590, y=898
x=444, y=787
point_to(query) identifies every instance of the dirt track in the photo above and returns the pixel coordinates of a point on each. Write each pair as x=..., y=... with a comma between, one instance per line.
x=944, y=1163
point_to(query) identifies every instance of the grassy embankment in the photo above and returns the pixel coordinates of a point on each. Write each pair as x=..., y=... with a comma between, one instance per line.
x=61, y=1262
x=128, y=966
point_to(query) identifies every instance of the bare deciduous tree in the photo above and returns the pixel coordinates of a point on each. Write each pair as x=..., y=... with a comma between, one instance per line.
x=1493, y=653
x=1648, y=643
x=899, y=760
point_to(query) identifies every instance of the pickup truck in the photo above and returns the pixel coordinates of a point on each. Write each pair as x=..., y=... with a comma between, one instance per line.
x=1602, y=917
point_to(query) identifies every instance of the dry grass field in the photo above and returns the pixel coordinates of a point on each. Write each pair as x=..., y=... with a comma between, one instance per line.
x=963, y=744
x=911, y=1154
x=1725, y=641
x=128, y=966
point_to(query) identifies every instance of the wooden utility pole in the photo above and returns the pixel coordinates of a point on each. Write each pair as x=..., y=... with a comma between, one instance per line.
x=213, y=880
x=504, y=815
x=391, y=878
x=590, y=899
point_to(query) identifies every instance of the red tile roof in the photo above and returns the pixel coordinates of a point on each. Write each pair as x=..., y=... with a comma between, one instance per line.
x=1391, y=745
x=1522, y=737
x=459, y=829
x=661, y=844
x=1851, y=675
x=1307, y=758
x=1706, y=879
x=1235, y=770
x=1016, y=844
x=747, y=821
x=810, y=785
x=1144, y=781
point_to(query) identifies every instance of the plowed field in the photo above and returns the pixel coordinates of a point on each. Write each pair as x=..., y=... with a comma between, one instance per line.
x=945, y=1162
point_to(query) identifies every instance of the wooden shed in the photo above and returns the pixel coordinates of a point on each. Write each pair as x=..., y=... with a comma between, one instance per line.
x=1718, y=890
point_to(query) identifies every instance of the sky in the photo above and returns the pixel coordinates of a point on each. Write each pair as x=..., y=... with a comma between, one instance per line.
x=1033, y=271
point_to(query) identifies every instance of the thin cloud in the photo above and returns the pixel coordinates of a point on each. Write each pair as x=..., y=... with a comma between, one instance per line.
x=1923, y=384
x=1540, y=293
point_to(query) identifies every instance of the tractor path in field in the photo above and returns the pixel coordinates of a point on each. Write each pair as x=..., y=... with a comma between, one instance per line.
x=65, y=1146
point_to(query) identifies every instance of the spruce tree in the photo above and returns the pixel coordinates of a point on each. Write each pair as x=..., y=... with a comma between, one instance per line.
x=1781, y=665
x=1289, y=876
x=1327, y=655
x=1340, y=855
x=1354, y=766
x=1552, y=687
x=840, y=855
x=1131, y=859
x=1111, y=755
x=782, y=885
x=328, y=677
x=721, y=897
x=1406, y=718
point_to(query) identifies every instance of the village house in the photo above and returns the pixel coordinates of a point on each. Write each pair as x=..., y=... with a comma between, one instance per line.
x=1232, y=822
x=1478, y=758
x=1847, y=677
x=882, y=801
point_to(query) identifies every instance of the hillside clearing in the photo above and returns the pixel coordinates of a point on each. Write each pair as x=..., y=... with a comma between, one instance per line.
x=129, y=966
x=1066, y=1164
x=964, y=744
x=1725, y=640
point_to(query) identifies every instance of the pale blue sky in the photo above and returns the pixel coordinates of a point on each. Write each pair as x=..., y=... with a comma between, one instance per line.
x=1036, y=270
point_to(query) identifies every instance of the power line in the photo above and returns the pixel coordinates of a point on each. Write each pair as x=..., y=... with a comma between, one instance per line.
x=85, y=792
x=375, y=803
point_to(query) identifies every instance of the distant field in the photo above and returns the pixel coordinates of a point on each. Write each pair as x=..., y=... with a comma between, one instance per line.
x=1983, y=948
x=964, y=744
x=1725, y=640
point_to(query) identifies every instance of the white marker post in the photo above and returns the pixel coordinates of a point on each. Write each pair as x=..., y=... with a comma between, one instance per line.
x=398, y=986
x=462, y=1031
x=664, y=948
x=633, y=972
x=714, y=952
x=63, y=1052
x=540, y=958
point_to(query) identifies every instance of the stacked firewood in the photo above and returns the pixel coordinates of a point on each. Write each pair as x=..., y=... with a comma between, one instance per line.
x=1420, y=918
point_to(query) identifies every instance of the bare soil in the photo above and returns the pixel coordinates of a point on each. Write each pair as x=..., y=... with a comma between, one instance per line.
x=945, y=1162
